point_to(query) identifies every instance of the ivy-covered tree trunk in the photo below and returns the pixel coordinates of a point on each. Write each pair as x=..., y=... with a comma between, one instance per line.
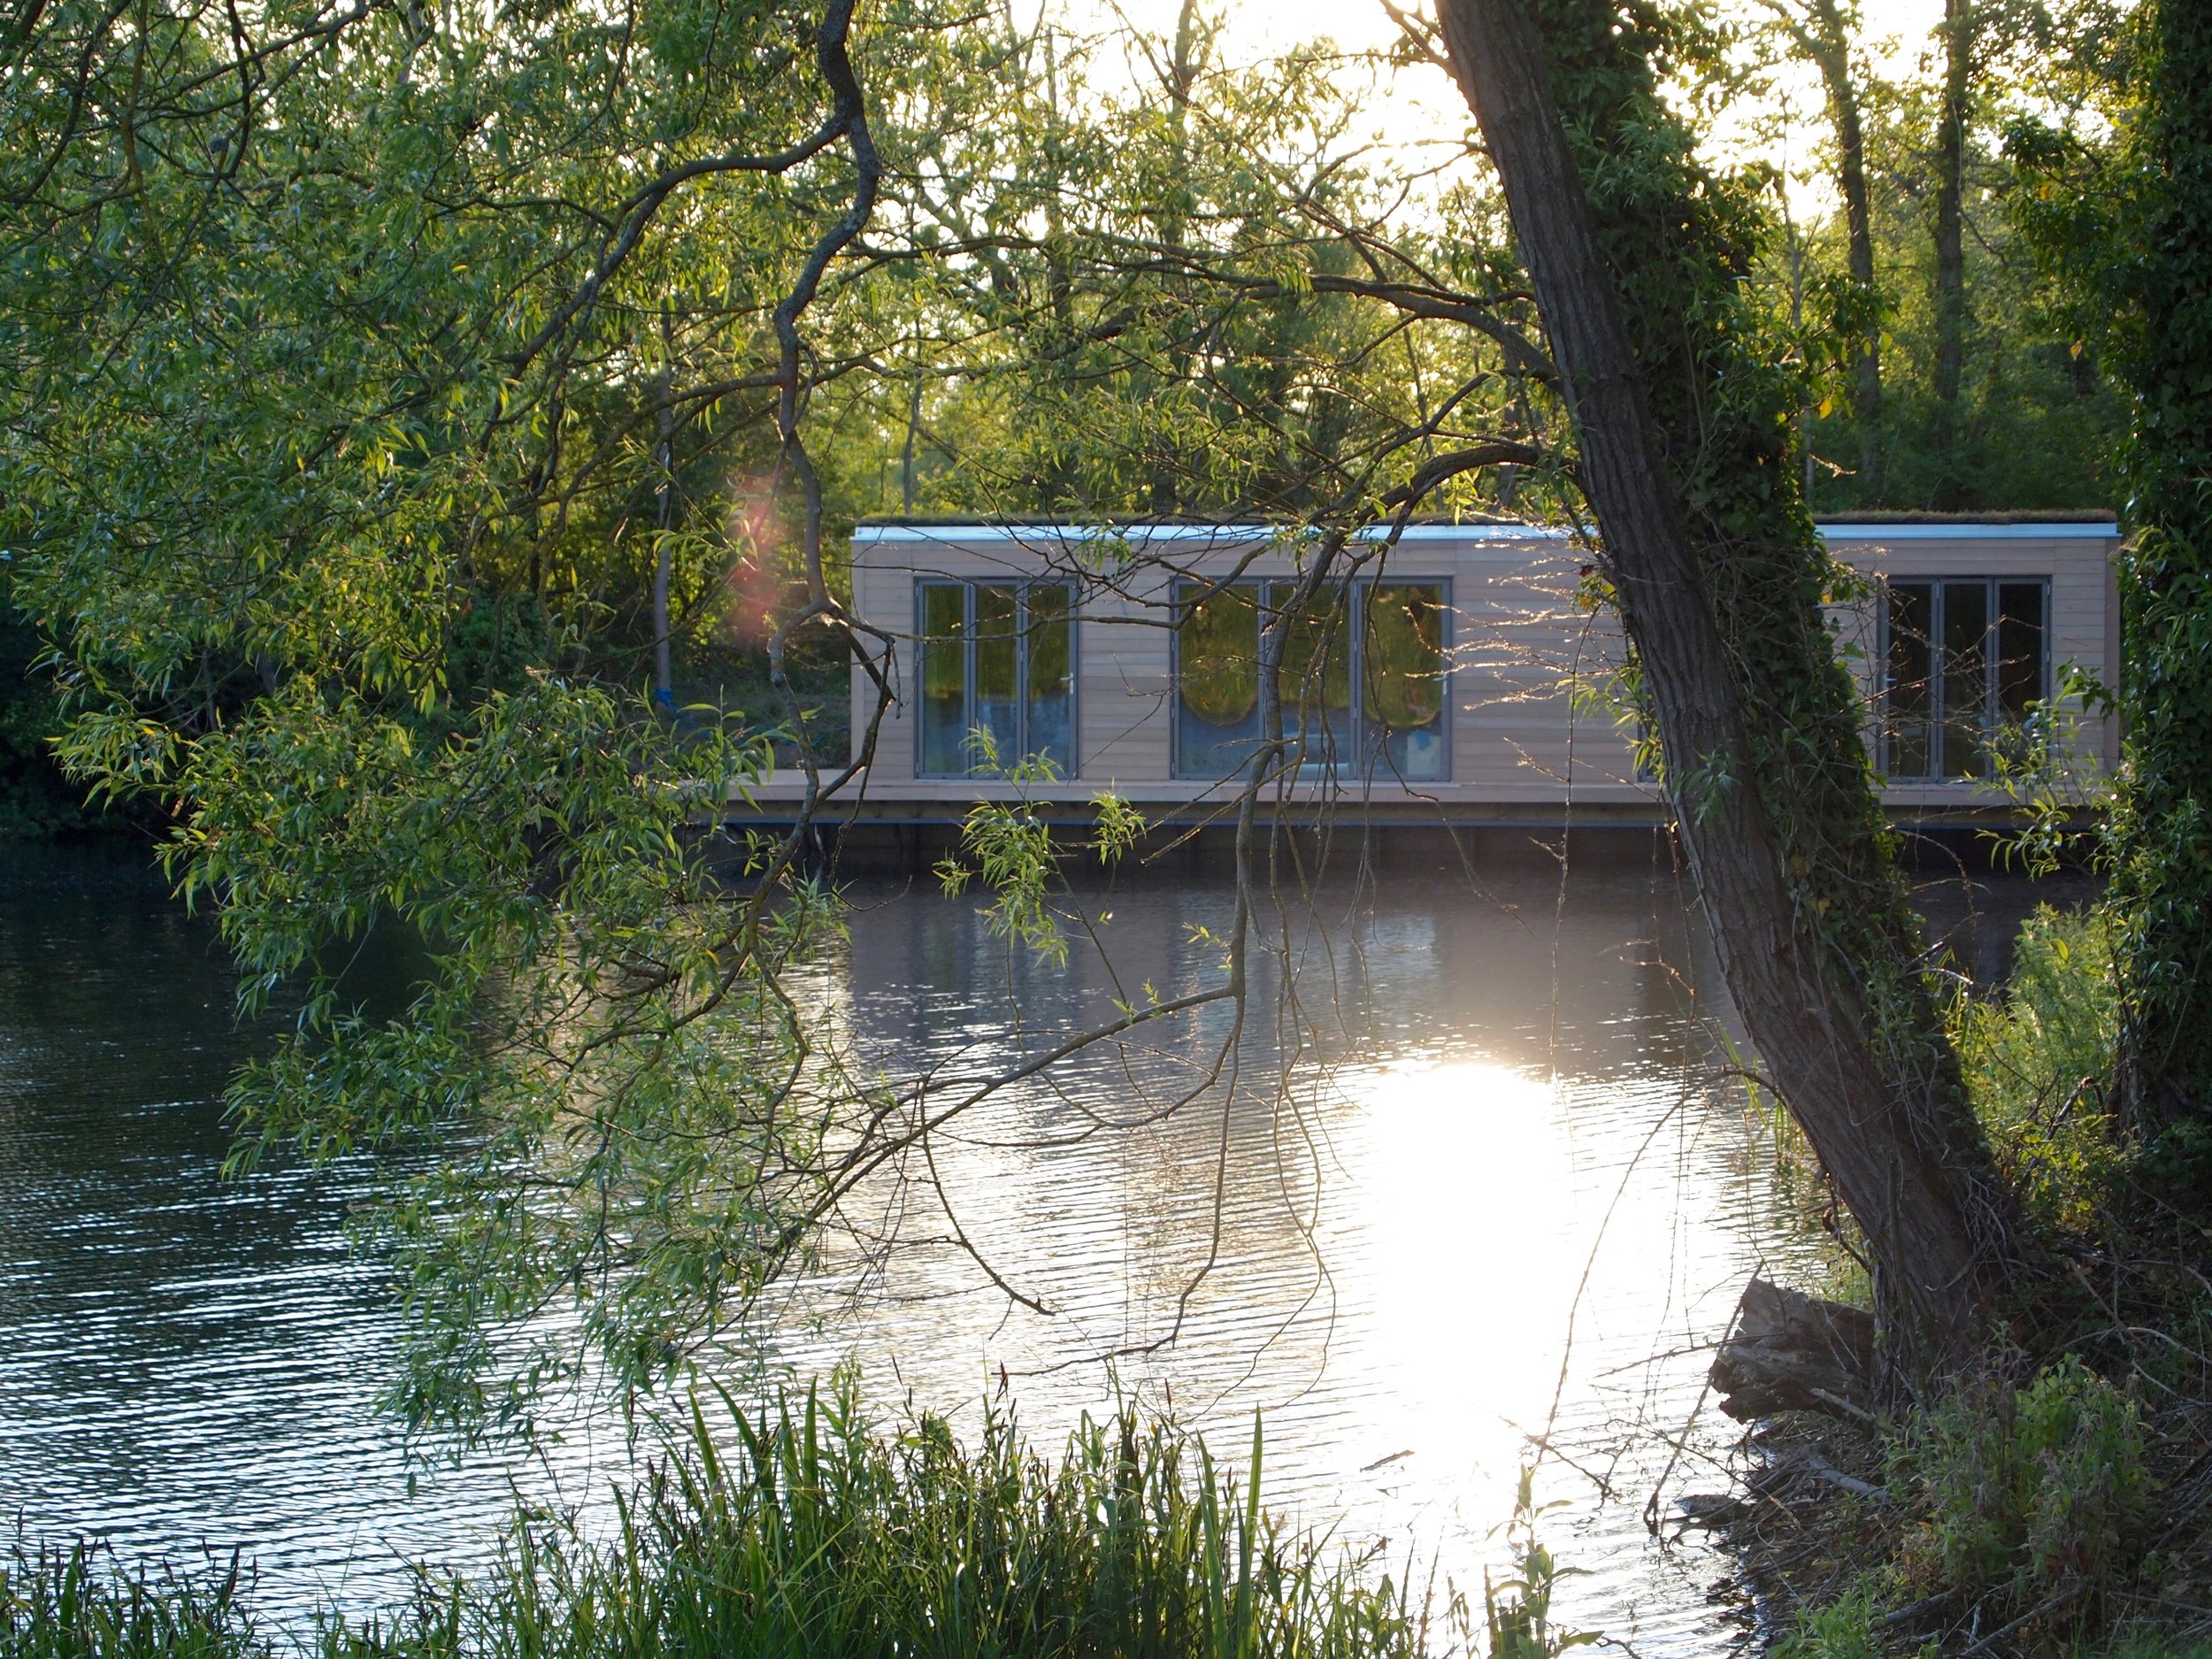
x=1685, y=453
x=2162, y=884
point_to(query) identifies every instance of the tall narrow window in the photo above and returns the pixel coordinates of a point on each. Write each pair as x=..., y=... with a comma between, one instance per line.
x=1965, y=677
x=944, y=679
x=1315, y=679
x=1361, y=682
x=997, y=709
x=1217, y=680
x=1965, y=663
x=1049, y=712
x=1911, y=675
x=2020, y=670
x=998, y=664
x=1402, y=682
x=2023, y=656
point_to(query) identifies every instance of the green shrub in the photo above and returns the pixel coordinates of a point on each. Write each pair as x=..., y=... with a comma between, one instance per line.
x=2035, y=1061
x=2082, y=1441
x=2043, y=1487
x=1844, y=1629
x=1961, y=1461
x=1517, y=1613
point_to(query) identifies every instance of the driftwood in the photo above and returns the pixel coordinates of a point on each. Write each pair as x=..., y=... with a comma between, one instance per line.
x=1791, y=1352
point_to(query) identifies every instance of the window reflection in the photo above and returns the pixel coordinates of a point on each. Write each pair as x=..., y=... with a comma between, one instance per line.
x=944, y=679
x=1966, y=665
x=1360, y=684
x=1402, y=682
x=1317, y=677
x=998, y=661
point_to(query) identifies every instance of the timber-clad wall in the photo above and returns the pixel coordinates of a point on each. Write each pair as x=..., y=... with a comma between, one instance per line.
x=2085, y=607
x=1518, y=740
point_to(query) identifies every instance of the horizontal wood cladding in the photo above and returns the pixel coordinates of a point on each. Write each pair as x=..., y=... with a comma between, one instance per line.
x=1530, y=716
x=2083, y=618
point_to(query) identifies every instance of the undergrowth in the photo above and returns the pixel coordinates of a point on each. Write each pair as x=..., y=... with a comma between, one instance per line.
x=2040, y=1490
x=808, y=1529
x=2035, y=1062
x=2059, y=1499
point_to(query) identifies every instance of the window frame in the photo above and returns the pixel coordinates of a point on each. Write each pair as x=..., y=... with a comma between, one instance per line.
x=1020, y=586
x=1354, y=766
x=1993, y=669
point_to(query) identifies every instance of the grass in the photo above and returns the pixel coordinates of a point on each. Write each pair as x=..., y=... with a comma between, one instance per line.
x=2043, y=1488
x=819, y=1534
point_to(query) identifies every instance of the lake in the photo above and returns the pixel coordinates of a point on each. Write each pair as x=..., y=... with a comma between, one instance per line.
x=1466, y=1189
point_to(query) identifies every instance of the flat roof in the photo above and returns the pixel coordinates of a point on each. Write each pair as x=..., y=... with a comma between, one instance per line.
x=2010, y=515
x=1867, y=527
x=1966, y=530
x=1488, y=530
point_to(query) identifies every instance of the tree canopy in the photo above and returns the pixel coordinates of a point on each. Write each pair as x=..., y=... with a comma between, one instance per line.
x=384, y=385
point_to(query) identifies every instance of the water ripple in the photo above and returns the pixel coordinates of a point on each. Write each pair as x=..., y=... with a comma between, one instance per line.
x=1488, y=1194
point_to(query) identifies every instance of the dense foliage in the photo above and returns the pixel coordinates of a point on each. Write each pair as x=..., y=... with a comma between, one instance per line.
x=2032, y=416
x=2124, y=218
x=369, y=374
x=348, y=405
x=384, y=391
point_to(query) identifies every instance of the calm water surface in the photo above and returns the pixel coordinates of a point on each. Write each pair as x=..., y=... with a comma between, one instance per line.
x=1492, y=1202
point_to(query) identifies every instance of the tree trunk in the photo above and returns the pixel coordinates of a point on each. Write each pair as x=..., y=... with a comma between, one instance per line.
x=664, y=519
x=1950, y=279
x=1169, y=466
x=1843, y=1024
x=1829, y=45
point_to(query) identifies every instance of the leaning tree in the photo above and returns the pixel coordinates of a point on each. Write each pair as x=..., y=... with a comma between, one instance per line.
x=1638, y=256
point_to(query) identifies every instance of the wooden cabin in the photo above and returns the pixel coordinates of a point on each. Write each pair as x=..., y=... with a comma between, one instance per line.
x=1462, y=674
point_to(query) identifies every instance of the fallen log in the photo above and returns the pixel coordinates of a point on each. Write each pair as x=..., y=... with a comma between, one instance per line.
x=1791, y=1352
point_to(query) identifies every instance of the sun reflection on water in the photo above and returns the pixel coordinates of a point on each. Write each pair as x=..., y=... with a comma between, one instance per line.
x=1486, y=1141
x=1459, y=1180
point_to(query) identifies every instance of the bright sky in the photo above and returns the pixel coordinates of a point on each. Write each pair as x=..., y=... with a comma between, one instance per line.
x=1423, y=106
x=1267, y=25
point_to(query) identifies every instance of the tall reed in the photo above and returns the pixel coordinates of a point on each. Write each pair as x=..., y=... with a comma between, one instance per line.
x=805, y=1528
x=79, y=1604
x=816, y=1532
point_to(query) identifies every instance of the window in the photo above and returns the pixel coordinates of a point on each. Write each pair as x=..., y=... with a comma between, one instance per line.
x=1000, y=660
x=1963, y=662
x=1362, y=681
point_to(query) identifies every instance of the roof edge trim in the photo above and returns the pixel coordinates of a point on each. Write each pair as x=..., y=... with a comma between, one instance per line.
x=1239, y=534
